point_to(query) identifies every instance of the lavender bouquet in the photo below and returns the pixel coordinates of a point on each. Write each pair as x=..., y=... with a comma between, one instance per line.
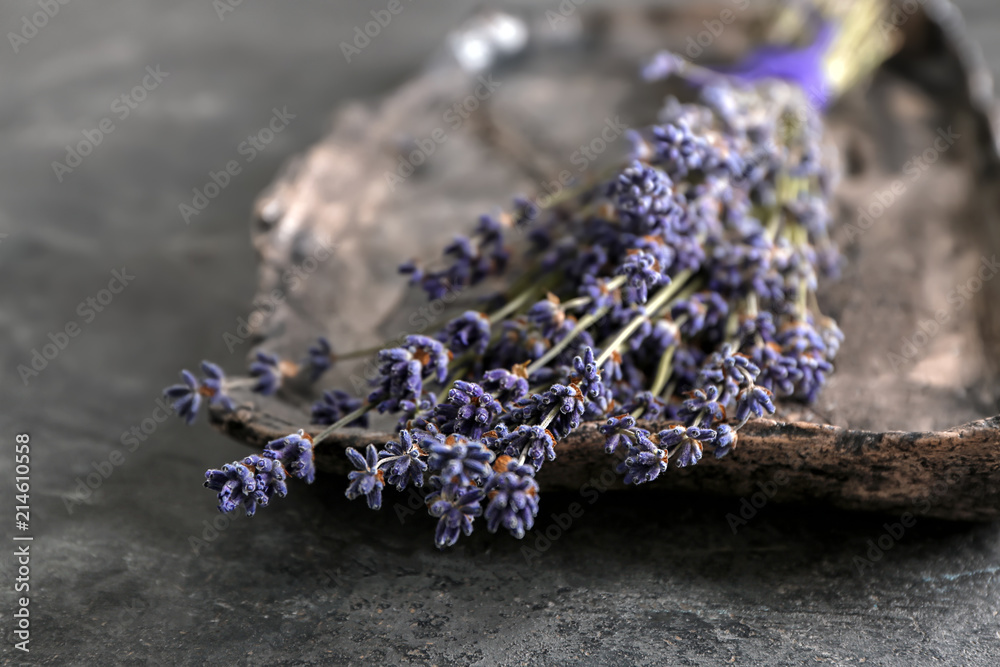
x=671, y=301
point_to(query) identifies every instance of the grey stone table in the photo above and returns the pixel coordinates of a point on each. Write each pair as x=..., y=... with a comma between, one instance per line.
x=134, y=571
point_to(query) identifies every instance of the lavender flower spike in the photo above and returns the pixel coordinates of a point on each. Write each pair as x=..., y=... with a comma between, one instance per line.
x=213, y=385
x=513, y=495
x=459, y=460
x=455, y=507
x=506, y=386
x=250, y=482
x=533, y=441
x=402, y=371
x=405, y=459
x=270, y=372
x=469, y=411
x=295, y=451
x=334, y=405
x=186, y=397
x=645, y=461
x=469, y=331
x=320, y=358
x=367, y=480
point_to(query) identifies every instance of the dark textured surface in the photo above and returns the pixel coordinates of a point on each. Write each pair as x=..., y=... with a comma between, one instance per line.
x=118, y=576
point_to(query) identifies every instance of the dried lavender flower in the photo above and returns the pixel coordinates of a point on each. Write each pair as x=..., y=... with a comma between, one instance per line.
x=367, y=480
x=295, y=451
x=334, y=405
x=669, y=301
x=513, y=498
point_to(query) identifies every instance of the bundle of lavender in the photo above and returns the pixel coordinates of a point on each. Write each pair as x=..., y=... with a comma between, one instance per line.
x=672, y=302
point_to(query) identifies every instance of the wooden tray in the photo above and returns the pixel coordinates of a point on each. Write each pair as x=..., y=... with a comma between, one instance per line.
x=920, y=152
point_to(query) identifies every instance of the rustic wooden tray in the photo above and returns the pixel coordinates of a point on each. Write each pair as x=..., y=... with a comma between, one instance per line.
x=920, y=154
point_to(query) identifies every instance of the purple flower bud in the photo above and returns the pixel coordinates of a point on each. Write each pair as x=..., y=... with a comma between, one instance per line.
x=320, y=358
x=295, y=452
x=469, y=411
x=455, y=507
x=620, y=430
x=267, y=369
x=753, y=400
x=513, y=499
x=335, y=405
x=469, y=331
x=506, y=386
x=645, y=461
x=250, y=482
x=367, y=480
x=187, y=397
x=458, y=460
x=533, y=441
x=406, y=465
x=402, y=371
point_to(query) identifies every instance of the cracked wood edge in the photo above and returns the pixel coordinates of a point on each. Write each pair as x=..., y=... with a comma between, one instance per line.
x=953, y=474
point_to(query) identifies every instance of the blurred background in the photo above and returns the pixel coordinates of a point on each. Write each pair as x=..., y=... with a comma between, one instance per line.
x=136, y=572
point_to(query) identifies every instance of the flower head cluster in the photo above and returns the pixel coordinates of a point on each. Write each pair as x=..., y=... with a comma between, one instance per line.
x=472, y=260
x=187, y=397
x=560, y=408
x=320, y=358
x=405, y=461
x=468, y=332
x=402, y=371
x=455, y=507
x=535, y=443
x=295, y=452
x=367, y=480
x=247, y=483
x=459, y=460
x=255, y=480
x=334, y=405
x=506, y=386
x=271, y=371
x=513, y=497
x=469, y=411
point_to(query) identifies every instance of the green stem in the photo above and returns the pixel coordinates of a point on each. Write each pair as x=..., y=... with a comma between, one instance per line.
x=802, y=295
x=663, y=370
x=515, y=303
x=241, y=383
x=668, y=393
x=576, y=303
x=342, y=422
x=443, y=394
x=549, y=417
x=652, y=306
x=773, y=225
x=508, y=308
x=582, y=325
x=354, y=354
x=545, y=424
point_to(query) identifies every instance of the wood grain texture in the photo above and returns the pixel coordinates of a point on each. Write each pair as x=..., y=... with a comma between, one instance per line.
x=954, y=473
